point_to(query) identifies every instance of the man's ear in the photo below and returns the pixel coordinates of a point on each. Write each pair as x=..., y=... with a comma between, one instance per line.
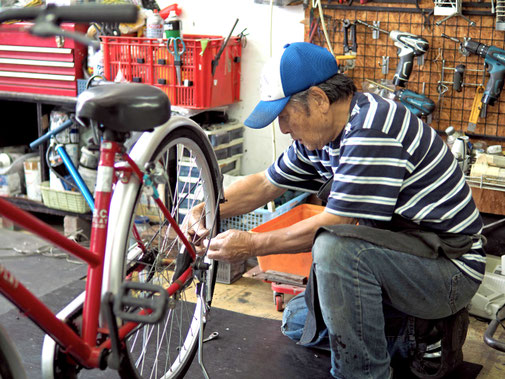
x=319, y=98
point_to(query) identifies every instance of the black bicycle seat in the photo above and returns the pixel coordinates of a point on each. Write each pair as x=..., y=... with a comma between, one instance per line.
x=124, y=107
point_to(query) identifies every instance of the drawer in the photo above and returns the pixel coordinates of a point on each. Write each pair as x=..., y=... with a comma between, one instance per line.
x=40, y=65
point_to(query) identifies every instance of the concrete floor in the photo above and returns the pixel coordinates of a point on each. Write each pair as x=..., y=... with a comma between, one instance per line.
x=247, y=296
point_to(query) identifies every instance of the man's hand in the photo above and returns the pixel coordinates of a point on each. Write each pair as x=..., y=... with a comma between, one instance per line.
x=195, y=228
x=231, y=246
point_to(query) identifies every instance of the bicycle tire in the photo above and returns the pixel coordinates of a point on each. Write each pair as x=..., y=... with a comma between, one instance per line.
x=10, y=361
x=189, y=162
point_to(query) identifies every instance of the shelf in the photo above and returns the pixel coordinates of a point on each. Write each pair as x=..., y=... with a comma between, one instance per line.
x=36, y=206
x=38, y=98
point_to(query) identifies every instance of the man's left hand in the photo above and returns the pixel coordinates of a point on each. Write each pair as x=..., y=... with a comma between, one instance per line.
x=231, y=246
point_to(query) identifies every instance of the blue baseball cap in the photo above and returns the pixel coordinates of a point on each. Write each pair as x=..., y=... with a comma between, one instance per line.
x=301, y=66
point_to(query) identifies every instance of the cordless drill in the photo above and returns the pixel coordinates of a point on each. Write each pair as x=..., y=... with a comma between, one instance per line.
x=417, y=103
x=495, y=64
x=409, y=46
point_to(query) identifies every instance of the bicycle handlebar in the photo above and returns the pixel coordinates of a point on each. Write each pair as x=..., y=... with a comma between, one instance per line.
x=488, y=336
x=74, y=13
x=67, y=124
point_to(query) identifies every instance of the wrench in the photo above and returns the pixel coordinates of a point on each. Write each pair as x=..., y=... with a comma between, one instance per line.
x=211, y=337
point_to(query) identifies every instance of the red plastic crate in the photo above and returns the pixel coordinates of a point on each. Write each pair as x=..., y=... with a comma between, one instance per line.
x=147, y=60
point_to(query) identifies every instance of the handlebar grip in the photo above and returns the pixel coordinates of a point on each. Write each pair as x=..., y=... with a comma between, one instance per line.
x=76, y=13
x=67, y=124
x=30, y=13
x=98, y=13
x=458, y=77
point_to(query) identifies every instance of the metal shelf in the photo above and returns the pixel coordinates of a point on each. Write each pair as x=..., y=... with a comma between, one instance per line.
x=486, y=183
x=36, y=206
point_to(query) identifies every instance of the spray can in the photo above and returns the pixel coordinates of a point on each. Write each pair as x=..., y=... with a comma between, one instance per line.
x=173, y=26
x=98, y=63
x=154, y=25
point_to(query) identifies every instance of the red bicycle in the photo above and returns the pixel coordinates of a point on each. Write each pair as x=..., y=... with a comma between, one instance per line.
x=147, y=294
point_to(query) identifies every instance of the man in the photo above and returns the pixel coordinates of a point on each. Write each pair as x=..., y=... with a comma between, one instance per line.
x=417, y=248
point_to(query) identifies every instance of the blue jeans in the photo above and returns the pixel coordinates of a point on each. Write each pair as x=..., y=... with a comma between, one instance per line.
x=354, y=279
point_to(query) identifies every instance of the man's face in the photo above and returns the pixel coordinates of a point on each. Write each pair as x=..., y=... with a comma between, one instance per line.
x=321, y=126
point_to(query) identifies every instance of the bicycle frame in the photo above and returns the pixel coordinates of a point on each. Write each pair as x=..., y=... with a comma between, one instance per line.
x=83, y=348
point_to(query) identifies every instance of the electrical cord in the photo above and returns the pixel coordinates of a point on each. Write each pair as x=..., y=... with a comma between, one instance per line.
x=274, y=123
x=317, y=4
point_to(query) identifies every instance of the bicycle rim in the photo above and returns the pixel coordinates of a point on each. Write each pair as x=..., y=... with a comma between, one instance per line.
x=166, y=349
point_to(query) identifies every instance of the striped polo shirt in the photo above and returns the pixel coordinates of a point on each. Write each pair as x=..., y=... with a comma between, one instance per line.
x=387, y=161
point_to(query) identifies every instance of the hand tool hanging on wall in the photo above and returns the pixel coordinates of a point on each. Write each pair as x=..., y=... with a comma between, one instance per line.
x=215, y=61
x=457, y=81
x=385, y=65
x=500, y=15
x=409, y=46
x=476, y=109
x=350, y=48
x=450, y=9
x=418, y=104
x=349, y=30
x=494, y=59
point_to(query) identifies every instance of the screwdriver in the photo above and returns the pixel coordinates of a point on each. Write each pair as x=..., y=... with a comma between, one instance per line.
x=418, y=104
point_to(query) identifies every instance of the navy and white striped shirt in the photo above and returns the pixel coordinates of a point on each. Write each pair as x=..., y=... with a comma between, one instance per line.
x=387, y=161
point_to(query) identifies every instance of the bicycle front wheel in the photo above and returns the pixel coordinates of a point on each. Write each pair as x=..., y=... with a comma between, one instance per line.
x=10, y=361
x=185, y=172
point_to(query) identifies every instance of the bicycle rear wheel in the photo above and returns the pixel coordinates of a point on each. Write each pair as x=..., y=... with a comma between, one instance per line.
x=185, y=167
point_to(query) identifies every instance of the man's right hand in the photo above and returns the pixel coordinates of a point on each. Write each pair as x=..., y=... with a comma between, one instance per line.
x=195, y=228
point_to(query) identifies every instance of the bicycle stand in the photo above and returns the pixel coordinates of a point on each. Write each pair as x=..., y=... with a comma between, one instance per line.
x=203, y=313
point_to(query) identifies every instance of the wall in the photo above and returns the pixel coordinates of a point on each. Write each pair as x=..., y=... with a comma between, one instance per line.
x=435, y=77
x=217, y=17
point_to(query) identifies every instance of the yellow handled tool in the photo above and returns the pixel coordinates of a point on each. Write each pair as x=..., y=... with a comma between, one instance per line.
x=476, y=109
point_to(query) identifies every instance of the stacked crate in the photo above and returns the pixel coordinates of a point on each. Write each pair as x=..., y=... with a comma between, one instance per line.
x=228, y=143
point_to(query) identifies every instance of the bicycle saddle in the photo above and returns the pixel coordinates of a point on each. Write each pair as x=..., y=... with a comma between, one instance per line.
x=124, y=107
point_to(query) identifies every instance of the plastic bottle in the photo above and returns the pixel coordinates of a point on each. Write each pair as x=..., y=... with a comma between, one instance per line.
x=154, y=25
x=173, y=26
x=452, y=135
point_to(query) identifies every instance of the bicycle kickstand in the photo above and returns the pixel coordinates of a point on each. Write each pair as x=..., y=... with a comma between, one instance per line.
x=200, y=334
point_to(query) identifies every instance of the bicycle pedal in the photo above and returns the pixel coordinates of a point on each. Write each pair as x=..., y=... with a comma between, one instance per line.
x=149, y=308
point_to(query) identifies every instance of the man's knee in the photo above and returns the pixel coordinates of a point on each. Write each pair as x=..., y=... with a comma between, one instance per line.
x=330, y=250
x=294, y=316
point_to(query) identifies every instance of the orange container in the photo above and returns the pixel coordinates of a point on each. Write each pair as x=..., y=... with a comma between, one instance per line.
x=298, y=264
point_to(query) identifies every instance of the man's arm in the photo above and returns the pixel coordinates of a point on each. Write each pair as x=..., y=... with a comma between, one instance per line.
x=234, y=245
x=248, y=194
x=241, y=197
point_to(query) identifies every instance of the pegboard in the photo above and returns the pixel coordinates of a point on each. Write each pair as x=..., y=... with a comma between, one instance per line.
x=453, y=108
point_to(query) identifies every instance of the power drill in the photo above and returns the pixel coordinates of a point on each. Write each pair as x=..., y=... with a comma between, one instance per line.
x=418, y=104
x=495, y=64
x=409, y=46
